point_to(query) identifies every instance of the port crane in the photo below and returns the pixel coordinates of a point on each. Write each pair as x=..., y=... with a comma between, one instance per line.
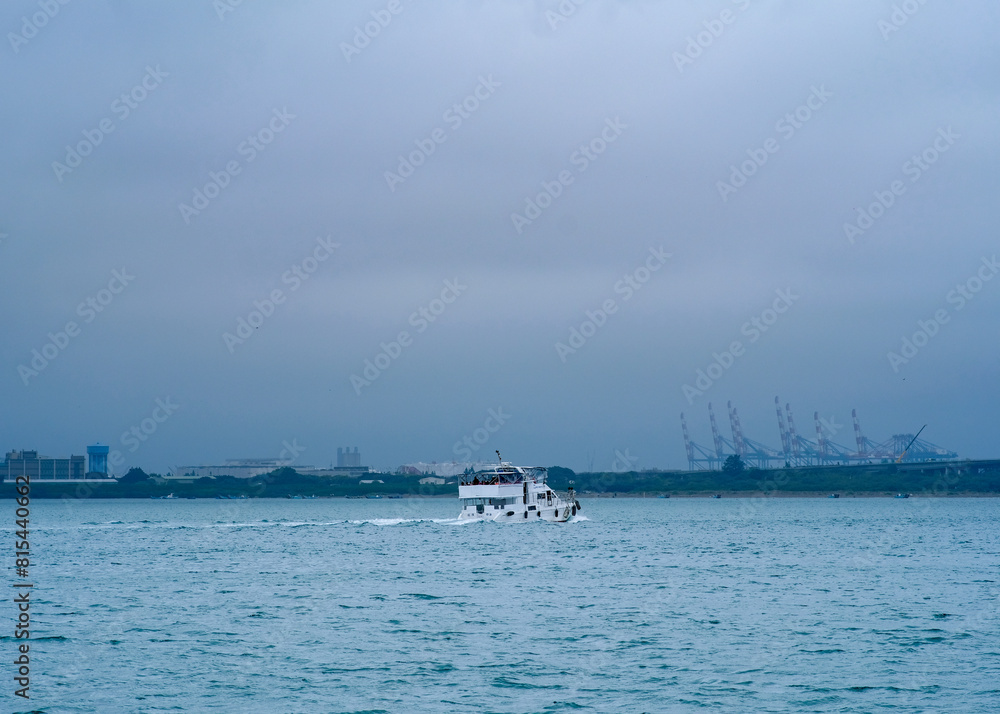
x=902, y=455
x=796, y=450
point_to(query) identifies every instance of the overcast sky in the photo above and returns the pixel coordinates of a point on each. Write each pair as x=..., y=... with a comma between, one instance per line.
x=505, y=167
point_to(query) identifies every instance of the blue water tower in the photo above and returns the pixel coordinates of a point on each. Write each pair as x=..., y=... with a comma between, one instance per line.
x=97, y=456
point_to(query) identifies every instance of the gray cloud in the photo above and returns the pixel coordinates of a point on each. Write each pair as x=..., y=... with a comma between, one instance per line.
x=655, y=185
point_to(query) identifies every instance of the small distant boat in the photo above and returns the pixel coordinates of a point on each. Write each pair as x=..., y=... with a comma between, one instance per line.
x=291, y=496
x=664, y=495
x=169, y=495
x=718, y=495
x=834, y=495
x=373, y=495
x=902, y=495
x=395, y=496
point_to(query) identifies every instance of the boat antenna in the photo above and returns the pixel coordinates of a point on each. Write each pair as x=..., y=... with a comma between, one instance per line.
x=910, y=444
x=498, y=456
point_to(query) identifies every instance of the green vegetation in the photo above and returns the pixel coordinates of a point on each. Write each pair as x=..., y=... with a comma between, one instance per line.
x=277, y=484
x=733, y=465
x=934, y=478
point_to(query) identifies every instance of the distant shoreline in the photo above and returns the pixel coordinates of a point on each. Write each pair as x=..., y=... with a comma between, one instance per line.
x=971, y=479
x=791, y=494
x=581, y=495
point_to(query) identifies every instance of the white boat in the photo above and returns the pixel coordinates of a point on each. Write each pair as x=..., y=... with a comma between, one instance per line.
x=513, y=493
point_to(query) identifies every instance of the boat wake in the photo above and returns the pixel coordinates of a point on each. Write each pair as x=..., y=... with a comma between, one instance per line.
x=447, y=521
x=406, y=521
x=155, y=525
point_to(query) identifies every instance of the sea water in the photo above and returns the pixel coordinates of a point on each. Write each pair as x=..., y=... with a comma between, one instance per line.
x=656, y=605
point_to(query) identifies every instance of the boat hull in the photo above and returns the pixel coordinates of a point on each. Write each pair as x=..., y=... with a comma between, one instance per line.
x=551, y=515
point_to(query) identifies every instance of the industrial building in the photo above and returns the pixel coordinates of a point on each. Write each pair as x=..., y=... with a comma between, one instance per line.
x=237, y=468
x=42, y=468
x=97, y=456
x=349, y=462
x=442, y=469
x=797, y=450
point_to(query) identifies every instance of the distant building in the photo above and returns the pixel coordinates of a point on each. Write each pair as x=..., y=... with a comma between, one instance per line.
x=349, y=462
x=347, y=458
x=42, y=468
x=97, y=456
x=237, y=468
x=448, y=468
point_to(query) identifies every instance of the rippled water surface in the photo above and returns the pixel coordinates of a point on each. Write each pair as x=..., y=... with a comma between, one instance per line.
x=334, y=605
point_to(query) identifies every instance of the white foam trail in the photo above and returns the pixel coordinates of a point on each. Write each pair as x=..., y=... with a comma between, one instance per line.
x=384, y=521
